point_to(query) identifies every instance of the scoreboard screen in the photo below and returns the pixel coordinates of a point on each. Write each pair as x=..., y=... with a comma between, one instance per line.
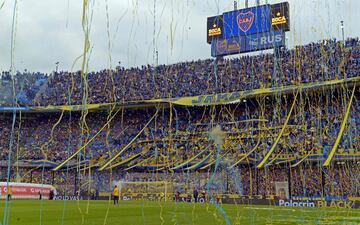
x=214, y=28
x=250, y=43
x=247, y=30
x=247, y=21
x=279, y=16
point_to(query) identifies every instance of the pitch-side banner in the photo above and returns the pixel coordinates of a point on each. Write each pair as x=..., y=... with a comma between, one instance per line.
x=25, y=190
x=244, y=200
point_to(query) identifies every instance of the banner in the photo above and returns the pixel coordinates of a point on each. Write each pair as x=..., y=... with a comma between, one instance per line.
x=201, y=100
x=339, y=204
x=242, y=200
x=68, y=197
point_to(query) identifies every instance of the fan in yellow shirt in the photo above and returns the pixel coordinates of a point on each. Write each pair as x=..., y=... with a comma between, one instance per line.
x=116, y=195
x=9, y=194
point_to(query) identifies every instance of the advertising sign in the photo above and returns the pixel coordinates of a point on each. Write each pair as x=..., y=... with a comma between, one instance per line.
x=25, y=191
x=265, y=41
x=229, y=46
x=280, y=16
x=320, y=203
x=214, y=27
x=242, y=44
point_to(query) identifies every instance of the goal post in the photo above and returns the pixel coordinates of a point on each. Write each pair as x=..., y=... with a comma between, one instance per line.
x=146, y=190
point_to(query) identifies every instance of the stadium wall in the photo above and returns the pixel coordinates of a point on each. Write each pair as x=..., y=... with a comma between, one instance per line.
x=348, y=203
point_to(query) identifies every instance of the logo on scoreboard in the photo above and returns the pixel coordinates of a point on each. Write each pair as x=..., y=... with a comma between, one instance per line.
x=265, y=40
x=280, y=16
x=221, y=46
x=234, y=45
x=214, y=28
x=245, y=21
x=214, y=31
x=278, y=19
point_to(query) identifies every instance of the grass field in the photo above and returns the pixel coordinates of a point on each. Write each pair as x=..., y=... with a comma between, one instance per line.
x=156, y=213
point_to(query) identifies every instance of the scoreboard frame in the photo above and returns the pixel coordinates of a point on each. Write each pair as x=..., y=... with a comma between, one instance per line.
x=247, y=21
x=280, y=17
x=259, y=21
x=215, y=28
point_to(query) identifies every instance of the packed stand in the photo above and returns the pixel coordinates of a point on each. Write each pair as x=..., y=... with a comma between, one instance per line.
x=314, y=62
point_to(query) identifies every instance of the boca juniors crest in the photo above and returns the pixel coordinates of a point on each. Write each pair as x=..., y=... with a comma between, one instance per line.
x=245, y=20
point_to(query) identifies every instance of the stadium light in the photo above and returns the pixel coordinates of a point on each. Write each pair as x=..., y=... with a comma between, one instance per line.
x=57, y=66
x=157, y=58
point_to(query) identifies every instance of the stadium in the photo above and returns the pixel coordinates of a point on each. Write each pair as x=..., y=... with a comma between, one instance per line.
x=264, y=129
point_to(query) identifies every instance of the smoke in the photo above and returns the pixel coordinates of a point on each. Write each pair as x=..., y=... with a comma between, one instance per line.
x=217, y=135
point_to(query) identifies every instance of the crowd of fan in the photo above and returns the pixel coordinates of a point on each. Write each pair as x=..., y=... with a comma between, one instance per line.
x=27, y=86
x=314, y=62
x=178, y=134
x=312, y=129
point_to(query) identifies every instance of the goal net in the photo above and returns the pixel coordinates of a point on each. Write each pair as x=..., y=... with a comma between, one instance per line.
x=153, y=191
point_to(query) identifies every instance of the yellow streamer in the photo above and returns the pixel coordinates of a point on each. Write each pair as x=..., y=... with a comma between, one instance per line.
x=247, y=154
x=125, y=161
x=261, y=164
x=128, y=145
x=88, y=142
x=333, y=150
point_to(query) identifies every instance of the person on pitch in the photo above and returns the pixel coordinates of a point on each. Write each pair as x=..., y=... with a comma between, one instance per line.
x=116, y=195
x=196, y=195
x=9, y=194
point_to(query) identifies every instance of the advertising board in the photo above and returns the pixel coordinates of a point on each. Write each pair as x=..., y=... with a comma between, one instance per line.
x=242, y=44
x=214, y=28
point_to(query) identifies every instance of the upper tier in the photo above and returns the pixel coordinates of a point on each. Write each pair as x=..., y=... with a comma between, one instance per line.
x=325, y=60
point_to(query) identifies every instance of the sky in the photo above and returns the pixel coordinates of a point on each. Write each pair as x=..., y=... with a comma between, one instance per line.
x=49, y=31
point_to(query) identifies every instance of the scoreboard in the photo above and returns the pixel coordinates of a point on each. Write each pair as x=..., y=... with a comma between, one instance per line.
x=250, y=29
x=247, y=21
x=250, y=43
x=279, y=16
x=214, y=27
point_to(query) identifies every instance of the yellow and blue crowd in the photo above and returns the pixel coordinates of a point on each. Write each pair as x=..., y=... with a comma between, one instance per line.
x=179, y=133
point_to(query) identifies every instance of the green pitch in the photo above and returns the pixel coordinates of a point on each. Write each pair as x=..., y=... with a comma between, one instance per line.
x=160, y=213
